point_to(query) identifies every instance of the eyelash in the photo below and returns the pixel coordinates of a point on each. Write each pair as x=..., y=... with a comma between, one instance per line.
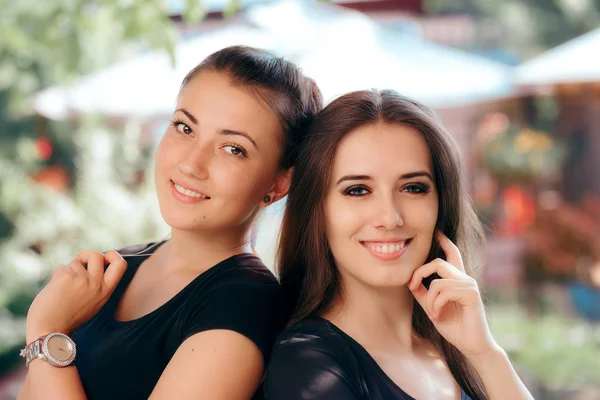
x=351, y=191
x=243, y=152
x=420, y=189
x=176, y=123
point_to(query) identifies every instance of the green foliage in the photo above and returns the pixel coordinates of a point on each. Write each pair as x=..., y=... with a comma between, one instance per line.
x=56, y=41
x=561, y=352
x=50, y=227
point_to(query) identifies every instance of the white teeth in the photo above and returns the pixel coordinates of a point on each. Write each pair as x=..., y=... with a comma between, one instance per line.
x=188, y=192
x=387, y=248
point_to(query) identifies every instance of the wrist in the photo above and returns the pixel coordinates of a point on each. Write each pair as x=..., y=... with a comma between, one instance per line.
x=493, y=355
x=34, y=333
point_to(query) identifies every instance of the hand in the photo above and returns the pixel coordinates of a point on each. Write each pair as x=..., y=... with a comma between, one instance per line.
x=74, y=294
x=453, y=303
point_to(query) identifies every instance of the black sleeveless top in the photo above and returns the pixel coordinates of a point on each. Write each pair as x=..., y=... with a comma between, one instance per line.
x=316, y=360
x=124, y=360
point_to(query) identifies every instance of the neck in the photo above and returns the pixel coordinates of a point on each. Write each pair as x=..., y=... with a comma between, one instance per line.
x=197, y=250
x=379, y=319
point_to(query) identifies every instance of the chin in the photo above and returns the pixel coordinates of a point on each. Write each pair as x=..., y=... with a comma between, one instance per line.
x=386, y=277
x=395, y=282
x=182, y=221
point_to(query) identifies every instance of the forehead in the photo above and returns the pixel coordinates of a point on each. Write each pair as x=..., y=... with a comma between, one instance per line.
x=215, y=100
x=377, y=148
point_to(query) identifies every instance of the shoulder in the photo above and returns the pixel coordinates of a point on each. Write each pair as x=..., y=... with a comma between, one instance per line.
x=316, y=330
x=242, y=296
x=312, y=356
x=313, y=334
x=244, y=269
x=242, y=278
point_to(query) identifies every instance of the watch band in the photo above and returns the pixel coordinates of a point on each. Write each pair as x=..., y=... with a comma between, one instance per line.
x=33, y=350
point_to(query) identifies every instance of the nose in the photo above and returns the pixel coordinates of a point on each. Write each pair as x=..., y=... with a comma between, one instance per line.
x=387, y=213
x=196, y=160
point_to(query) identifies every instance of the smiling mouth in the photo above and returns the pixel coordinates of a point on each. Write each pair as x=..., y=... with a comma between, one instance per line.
x=188, y=192
x=387, y=250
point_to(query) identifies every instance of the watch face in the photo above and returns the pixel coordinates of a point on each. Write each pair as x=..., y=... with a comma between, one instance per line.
x=60, y=348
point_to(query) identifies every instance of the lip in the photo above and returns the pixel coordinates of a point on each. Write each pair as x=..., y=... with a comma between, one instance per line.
x=386, y=256
x=186, y=199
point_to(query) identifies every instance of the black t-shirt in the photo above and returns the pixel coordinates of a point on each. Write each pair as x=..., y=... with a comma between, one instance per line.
x=316, y=360
x=124, y=360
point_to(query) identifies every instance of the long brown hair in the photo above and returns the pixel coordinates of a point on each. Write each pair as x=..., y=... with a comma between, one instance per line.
x=305, y=263
x=277, y=82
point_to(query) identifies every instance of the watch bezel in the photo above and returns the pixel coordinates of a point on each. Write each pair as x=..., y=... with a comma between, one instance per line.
x=50, y=358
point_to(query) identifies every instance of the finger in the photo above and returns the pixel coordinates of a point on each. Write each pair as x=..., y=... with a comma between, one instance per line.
x=115, y=270
x=77, y=267
x=458, y=295
x=95, y=263
x=452, y=252
x=440, y=285
x=62, y=269
x=420, y=295
x=439, y=266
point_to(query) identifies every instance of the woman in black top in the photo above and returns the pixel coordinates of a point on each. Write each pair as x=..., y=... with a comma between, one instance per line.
x=195, y=316
x=383, y=303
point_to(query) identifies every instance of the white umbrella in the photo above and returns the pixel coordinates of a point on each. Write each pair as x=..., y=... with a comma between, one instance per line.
x=145, y=86
x=345, y=50
x=575, y=61
x=342, y=50
x=434, y=75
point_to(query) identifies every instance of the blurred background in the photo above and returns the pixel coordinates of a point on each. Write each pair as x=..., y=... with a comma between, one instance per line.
x=87, y=88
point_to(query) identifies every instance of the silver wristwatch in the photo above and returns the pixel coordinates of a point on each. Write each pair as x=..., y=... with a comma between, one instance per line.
x=56, y=348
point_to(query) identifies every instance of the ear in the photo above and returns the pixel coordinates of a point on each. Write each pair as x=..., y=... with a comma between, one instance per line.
x=281, y=187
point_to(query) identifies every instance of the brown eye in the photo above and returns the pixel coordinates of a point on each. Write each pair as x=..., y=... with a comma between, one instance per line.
x=183, y=128
x=234, y=150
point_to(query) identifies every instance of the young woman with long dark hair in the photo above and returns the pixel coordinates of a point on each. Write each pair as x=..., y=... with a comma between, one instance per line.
x=194, y=316
x=379, y=242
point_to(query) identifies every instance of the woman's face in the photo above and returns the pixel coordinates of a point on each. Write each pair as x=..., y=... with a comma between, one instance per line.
x=381, y=205
x=219, y=157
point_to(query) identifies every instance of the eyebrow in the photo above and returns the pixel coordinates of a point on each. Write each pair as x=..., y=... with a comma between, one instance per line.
x=189, y=115
x=408, y=175
x=221, y=131
x=244, y=134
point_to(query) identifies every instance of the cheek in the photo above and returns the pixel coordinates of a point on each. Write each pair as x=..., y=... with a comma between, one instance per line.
x=425, y=220
x=241, y=180
x=165, y=153
x=343, y=219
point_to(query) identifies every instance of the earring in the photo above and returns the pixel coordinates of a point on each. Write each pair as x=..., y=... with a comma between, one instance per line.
x=267, y=199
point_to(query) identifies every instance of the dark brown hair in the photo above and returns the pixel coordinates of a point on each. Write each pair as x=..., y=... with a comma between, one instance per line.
x=305, y=263
x=277, y=82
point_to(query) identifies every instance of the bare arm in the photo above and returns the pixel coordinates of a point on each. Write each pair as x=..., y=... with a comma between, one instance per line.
x=51, y=383
x=215, y=365
x=499, y=377
x=25, y=393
